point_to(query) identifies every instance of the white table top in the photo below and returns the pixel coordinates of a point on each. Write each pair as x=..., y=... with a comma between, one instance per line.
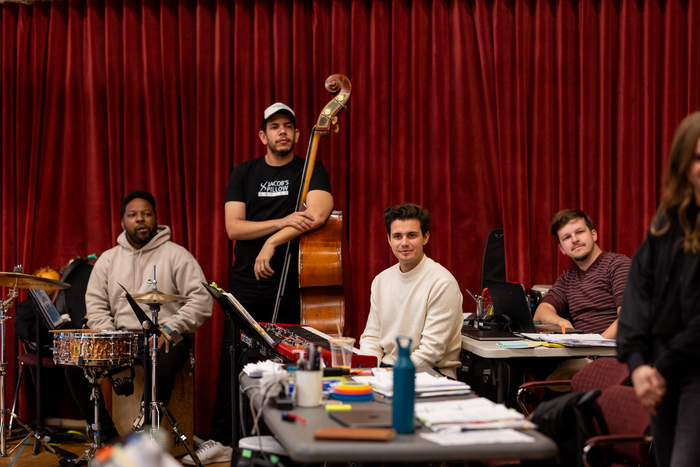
x=491, y=349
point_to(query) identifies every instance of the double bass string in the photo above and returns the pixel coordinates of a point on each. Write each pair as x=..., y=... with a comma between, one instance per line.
x=287, y=254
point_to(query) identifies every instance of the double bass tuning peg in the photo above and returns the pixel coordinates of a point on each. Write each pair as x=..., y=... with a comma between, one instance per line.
x=336, y=128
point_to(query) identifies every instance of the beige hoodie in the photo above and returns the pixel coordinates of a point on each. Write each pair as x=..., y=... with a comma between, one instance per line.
x=177, y=273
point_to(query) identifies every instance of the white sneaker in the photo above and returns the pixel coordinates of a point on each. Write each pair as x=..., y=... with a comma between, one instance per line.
x=210, y=452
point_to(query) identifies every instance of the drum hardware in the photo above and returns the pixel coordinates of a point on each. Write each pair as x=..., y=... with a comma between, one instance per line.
x=154, y=300
x=98, y=353
x=94, y=375
x=16, y=280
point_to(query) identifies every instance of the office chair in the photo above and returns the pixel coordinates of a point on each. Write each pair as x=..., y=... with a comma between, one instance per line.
x=628, y=425
x=601, y=373
x=28, y=358
x=493, y=266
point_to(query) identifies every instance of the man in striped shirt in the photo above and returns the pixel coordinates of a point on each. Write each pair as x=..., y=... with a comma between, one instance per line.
x=590, y=291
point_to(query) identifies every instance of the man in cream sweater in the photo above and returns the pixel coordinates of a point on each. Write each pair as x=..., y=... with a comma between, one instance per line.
x=417, y=298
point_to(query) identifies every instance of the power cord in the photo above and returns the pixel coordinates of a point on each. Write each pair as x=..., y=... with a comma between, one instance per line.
x=271, y=384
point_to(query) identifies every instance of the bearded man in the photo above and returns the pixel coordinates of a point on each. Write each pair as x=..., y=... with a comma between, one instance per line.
x=591, y=291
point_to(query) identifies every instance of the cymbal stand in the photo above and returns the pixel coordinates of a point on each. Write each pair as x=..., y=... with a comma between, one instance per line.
x=155, y=406
x=153, y=350
x=94, y=376
x=4, y=306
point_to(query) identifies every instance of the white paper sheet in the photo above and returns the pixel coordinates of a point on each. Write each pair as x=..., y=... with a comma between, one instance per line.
x=503, y=436
x=572, y=340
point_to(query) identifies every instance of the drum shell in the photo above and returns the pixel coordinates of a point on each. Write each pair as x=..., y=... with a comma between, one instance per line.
x=100, y=349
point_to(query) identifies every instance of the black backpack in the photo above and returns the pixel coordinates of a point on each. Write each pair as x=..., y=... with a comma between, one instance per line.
x=570, y=420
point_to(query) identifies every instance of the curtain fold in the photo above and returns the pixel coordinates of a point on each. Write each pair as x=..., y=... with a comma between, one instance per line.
x=489, y=113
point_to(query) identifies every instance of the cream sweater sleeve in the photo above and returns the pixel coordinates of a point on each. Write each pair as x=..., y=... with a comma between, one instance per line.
x=443, y=321
x=369, y=340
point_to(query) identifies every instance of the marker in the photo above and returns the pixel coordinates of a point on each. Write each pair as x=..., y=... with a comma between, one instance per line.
x=563, y=329
x=338, y=408
x=290, y=417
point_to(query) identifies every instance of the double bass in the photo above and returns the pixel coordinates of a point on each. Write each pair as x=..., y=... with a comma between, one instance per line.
x=321, y=251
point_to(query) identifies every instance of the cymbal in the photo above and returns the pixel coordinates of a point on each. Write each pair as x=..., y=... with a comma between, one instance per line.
x=157, y=297
x=29, y=281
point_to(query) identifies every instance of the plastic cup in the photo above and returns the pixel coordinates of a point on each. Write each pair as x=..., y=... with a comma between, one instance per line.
x=341, y=351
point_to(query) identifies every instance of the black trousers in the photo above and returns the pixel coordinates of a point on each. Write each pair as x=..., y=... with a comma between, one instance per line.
x=259, y=301
x=168, y=366
x=675, y=427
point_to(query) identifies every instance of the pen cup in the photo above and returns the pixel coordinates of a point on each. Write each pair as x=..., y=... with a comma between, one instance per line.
x=308, y=388
x=341, y=351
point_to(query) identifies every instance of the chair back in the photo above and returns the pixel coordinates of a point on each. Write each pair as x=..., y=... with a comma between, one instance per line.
x=601, y=373
x=625, y=416
x=493, y=266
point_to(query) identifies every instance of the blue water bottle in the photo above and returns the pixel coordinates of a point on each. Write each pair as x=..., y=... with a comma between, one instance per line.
x=404, y=388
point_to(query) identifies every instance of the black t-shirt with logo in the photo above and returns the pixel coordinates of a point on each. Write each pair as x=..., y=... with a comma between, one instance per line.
x=269, y=193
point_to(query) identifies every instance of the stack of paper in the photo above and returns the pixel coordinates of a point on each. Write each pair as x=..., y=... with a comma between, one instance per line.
x=505, y=436
x=468, y=414
x=262, y=368
x=572, y=340
x=427, y=385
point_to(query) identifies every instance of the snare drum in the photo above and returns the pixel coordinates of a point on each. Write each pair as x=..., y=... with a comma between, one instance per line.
x=101, y=349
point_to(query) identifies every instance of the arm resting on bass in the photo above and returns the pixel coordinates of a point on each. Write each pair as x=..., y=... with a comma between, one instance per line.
x=319, y=205
x=238, y=228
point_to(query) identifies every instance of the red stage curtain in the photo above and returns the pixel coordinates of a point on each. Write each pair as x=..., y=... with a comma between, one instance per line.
x=489, y=113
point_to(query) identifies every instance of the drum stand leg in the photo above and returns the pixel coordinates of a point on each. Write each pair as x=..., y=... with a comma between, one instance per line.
x=4, y=411
x=157, y=407
x=9, y=412
x=92, y=376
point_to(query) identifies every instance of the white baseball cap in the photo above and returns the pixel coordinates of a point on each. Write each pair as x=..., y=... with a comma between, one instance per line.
x=278, y=108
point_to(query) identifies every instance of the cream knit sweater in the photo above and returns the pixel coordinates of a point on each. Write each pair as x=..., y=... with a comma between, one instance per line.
x=424, y=304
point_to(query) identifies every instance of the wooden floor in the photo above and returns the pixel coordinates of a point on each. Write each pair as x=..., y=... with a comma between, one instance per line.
x=23, y=457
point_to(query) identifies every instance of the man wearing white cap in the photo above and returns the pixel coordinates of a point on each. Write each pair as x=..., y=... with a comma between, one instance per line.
x=261, y=217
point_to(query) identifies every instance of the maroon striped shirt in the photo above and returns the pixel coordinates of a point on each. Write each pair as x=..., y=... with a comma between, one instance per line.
x=592, y=297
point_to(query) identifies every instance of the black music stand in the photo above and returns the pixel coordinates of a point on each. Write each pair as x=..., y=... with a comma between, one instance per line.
x=240, y=319
x=48, y=315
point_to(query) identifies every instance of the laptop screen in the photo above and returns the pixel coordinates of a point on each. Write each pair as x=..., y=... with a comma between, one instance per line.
x=509, y=298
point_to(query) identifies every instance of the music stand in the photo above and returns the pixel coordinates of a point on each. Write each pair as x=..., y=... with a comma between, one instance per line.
x=240, y=319
x=47, y=311
x=18, y=280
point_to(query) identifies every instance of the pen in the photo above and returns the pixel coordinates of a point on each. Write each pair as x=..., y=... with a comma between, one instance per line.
x=290, y=417
x=563, y=329
x=312, y=358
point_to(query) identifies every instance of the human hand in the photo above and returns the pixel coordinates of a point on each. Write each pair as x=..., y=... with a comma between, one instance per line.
x=300, y=220
x=262, y=262
x=161, y=341
x=565, y=322
x=649, y=385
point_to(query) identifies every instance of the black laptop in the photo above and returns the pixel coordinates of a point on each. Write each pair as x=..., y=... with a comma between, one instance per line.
x=508, y=298
x=487, y=335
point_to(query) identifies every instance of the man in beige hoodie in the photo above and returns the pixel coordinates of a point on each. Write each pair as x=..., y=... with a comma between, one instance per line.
x=143, y=250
